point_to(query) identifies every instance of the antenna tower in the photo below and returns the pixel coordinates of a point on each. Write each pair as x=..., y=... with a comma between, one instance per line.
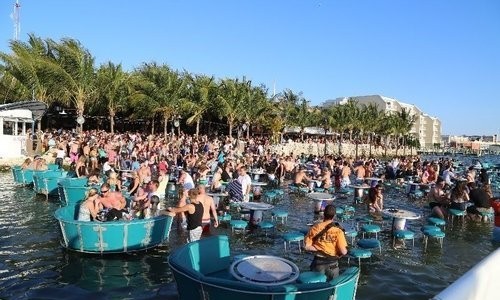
x=16, y=19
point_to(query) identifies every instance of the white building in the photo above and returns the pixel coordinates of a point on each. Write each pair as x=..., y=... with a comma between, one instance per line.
x=426, y=128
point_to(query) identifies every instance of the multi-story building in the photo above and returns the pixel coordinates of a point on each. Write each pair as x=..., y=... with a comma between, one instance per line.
x=426, y=128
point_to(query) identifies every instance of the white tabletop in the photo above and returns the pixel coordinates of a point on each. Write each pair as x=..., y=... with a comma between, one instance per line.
x=400, y=213
x=373, y=178
x=264, y=270
x=258, y=183
x=218, y=194
x=360, y=186
x=320, y=196
x=257, y=172
x=256, y=206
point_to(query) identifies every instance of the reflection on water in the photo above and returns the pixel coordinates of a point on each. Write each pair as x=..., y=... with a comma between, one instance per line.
x=33, y=264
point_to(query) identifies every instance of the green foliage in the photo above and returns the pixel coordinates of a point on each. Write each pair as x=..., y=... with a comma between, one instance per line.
x=64, y=71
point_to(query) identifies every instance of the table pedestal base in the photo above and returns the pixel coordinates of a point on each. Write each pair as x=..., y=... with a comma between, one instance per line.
x=255, y=217
x=358, y=193
x=398, y=224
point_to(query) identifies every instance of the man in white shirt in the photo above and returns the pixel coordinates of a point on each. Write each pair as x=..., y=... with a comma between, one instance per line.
x=448, y=175
x=186, y=181
x=60, y=155
x=246, y=183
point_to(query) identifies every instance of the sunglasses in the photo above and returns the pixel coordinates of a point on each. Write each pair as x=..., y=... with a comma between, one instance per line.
x=104, y=191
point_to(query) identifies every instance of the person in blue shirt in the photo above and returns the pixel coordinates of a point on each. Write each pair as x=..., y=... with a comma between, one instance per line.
x=135, y=164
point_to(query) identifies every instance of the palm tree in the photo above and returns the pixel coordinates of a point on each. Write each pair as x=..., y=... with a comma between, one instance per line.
x=9, y=86
x=201, y=98
x=23, y=76
x=271, y=119
x=159, y=90
x=412, y=142
x=71, y=67
x=404, y=121
x=112, y=87
x=386, y=128
x=253, y=110
x=232, y=97
x=302, y=116
x=286, y=103
x=337, y=120
x=352, y=117
x=371, y=119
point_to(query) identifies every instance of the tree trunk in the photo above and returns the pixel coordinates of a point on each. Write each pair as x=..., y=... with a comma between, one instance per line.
x=404, y=146
x=230, y=123
x=397, y=145
x=385, y=146
x=112, y=121
x=197, y=127
x=370, y=144
x=302, y=134
x=325, y=143
x=80, y=126
x=80, y=107
x=340, y=144
x=248, y=130
x=165, y=126
x=153, y=125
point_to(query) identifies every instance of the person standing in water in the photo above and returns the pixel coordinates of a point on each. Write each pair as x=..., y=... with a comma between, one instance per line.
x=194, y=216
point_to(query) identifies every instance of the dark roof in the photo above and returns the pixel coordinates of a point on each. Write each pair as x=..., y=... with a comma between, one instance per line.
x=37, y=108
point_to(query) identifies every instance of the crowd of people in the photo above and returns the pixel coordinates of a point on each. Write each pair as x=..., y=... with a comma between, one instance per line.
x=141, y=166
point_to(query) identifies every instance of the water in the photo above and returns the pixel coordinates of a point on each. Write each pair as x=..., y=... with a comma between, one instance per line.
x=33, y=264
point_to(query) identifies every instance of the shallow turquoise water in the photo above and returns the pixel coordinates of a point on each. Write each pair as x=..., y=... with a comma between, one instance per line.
x=33, y=265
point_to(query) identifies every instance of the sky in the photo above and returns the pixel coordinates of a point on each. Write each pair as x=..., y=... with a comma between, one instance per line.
x=442, y=56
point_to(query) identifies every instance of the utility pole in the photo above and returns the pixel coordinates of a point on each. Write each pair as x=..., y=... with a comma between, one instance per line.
x=17, y=21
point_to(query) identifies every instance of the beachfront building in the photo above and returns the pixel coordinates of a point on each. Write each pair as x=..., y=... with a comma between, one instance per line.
x=475, y=144
x=427, y=129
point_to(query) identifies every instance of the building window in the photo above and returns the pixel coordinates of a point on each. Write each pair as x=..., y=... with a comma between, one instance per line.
x=8, y=128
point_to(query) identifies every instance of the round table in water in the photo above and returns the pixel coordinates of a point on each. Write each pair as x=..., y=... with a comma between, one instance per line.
x=320, y=199
x=373, y=180
x=399, y=217
x=256, y=209
x=264, y=270
x=257, y=187
x=359, y=189
x=256, y=173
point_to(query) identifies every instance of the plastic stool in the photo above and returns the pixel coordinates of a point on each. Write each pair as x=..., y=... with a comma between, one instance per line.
x=265, y=226
x=439, y=235
x=370, y=244
x=311, y=277
x=293, y=237
x=403, y=235
x=238, y=225
x=280, y=214
x=370, y=228
x=359, y=254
